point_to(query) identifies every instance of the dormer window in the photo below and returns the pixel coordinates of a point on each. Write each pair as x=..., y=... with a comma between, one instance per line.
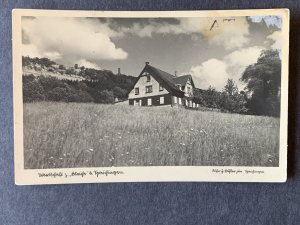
x=148, y=77
x=136, y=91
x=161, y=88
x=179, y=87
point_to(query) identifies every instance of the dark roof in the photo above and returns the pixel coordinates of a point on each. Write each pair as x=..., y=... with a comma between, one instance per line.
x=182, y=79
x=163, y=76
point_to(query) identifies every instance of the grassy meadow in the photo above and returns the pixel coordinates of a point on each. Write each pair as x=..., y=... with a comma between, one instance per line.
x=65, y=135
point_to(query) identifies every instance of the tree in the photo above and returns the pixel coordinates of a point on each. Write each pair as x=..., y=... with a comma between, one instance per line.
x=107, y=97
x=263, y=84
x=230, y=88
x=212, y=97
x=231, y=100
x=33, y=91
x=119, y=92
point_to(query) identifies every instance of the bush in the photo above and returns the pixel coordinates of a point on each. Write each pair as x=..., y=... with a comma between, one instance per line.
x=33, y=91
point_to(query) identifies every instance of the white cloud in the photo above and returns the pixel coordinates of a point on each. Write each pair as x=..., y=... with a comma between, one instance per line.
x=87, y=64
x=215, y=72
x=231, y=34
x=212, y=72
x=63, y=38
x=244, y=57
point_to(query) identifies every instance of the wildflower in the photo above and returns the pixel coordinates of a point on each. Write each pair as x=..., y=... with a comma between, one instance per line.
x=61, y=158
x=192, y=129
x=91, y=150
x=127, y=153
x=106, y=136
x=51, y=157
x=64, y=154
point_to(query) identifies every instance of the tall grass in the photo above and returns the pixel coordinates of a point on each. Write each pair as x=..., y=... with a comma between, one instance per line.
x=65, y=135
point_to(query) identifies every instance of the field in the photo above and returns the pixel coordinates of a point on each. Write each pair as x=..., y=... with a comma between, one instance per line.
x=65, y=135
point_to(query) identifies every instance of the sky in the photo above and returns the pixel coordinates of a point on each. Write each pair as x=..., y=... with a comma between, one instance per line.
x=210, y=49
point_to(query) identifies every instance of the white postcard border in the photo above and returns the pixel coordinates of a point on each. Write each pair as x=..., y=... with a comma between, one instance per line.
x=145, y=174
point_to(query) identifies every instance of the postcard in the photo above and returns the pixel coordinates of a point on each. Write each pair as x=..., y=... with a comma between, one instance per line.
x=132, y=96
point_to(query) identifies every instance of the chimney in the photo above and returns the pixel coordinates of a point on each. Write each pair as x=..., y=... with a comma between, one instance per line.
x=119, y=71
x=147, y=63
x=175, y=73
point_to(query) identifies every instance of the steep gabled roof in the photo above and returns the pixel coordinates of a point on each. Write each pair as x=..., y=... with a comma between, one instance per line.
x=183, y=79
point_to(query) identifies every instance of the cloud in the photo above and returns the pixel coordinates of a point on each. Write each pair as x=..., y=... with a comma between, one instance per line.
x=212, y=72
x=65, y=38
x=227, y=32
x=87, y=64
x=215, y=72
x=244, y=57
x=231, y=33
x=276, y=38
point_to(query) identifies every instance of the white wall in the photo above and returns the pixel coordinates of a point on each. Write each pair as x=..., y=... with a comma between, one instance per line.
x=188, y=84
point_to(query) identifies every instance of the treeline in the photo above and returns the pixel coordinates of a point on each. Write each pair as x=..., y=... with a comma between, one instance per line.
x=228, y=100
x=43, y=88
x=261, y=95
x=26, y=61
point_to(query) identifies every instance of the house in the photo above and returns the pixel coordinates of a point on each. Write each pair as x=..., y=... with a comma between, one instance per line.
x=155, y=87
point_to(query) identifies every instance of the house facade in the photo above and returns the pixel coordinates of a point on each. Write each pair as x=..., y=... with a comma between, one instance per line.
x=155, y=87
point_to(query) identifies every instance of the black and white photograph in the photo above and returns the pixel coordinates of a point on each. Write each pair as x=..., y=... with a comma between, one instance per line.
x=184, y=90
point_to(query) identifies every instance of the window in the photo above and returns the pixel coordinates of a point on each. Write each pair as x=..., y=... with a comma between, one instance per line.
x=140, y=103
x=162, y=100
x=175, y=99
x=194, y=104
x=188, y=89
x=148, y=89
x=136, y=91
x=149, y=102
x=161, y=88
x=179, y=101
x=136, y=102
x=179, y=87
x=148, y=77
